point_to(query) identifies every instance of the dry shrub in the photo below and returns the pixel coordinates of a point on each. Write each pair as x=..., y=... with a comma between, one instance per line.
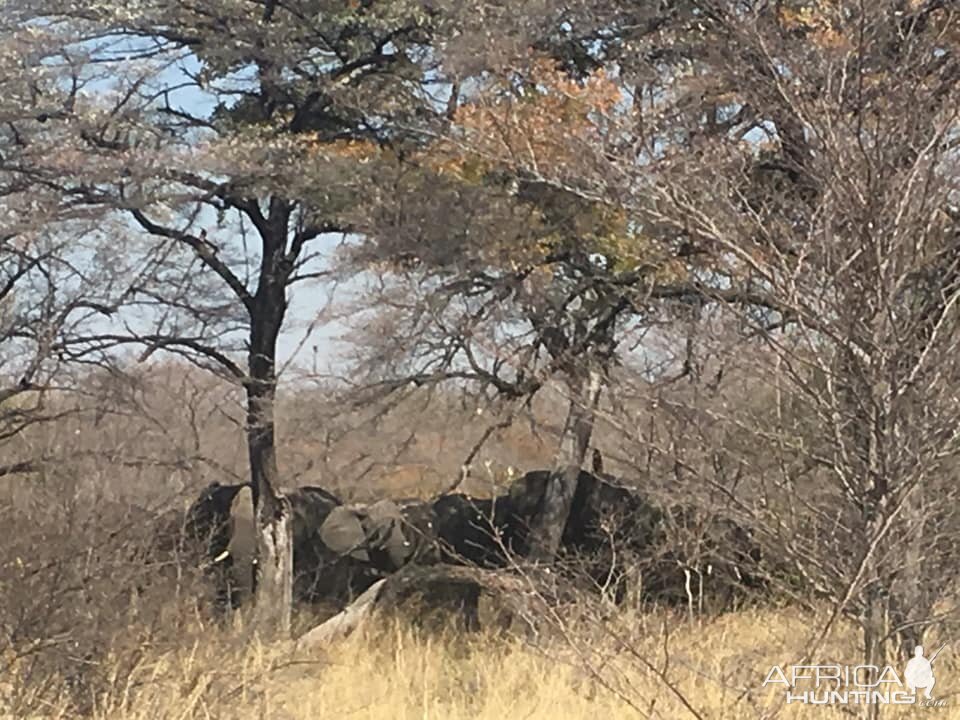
x=80, y=574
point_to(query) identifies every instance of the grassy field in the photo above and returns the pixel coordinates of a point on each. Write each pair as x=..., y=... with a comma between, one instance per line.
x=584, y=671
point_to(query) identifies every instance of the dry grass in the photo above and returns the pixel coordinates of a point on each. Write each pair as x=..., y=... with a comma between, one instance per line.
x=397, y=673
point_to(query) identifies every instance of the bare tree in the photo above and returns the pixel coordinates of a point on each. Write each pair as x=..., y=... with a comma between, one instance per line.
x=846, y=228
x=49, y=290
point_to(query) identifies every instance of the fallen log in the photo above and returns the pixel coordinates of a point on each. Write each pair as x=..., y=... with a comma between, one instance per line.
x=344, y=622
x=441, y=592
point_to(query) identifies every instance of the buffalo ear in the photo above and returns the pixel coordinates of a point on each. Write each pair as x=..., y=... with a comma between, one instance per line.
x=343, y=533
x=243, y=541
x=386, y=520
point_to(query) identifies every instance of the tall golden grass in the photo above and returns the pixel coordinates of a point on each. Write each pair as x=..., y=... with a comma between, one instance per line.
x=391, y=671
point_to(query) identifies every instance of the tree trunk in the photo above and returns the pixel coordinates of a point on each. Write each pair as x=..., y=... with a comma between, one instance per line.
x=273, y=581
x=547, y=532
x=912, y=604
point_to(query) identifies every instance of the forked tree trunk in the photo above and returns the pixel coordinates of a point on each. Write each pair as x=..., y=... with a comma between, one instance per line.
x=547, y=530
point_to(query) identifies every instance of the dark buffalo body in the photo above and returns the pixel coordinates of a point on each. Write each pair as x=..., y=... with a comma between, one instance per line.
x=471, y=530
x=613, y=534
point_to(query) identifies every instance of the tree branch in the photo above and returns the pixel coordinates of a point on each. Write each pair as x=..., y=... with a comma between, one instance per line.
x=203, y=252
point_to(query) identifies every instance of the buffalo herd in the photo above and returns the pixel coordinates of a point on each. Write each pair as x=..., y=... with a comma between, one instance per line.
x=616, y=540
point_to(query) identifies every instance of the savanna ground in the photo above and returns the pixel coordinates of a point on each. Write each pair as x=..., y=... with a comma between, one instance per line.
x=95, y=625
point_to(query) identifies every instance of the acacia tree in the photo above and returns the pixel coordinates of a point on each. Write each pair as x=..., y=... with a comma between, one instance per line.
x=500, y=279
x=225, y=137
